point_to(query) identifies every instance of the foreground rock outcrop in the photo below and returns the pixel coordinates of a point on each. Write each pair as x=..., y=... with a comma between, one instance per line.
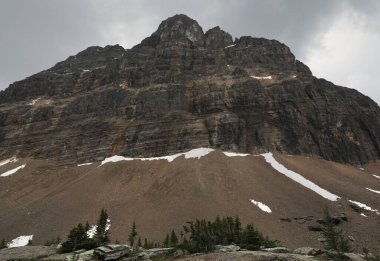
x=182, y=88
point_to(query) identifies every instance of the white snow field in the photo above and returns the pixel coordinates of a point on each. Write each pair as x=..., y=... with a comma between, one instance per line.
x=192, y=154
x=234, y=154
x=298, y=178
x=12, y=171
x=4, y=162
x=261, y=206
x=92, y=231
x=20, y=241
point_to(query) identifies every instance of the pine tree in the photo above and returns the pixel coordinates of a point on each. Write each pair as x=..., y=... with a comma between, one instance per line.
x=334, y=239
x=173, y=239
x=251, y=239
x=139, y=242
x=237, y=230
x=145, y=243
x=102, y=231
x=3, y=244
x=167, y=240
x=133, y=234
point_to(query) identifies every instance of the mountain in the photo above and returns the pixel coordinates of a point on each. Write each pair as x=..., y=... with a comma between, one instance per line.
x=188, y=125
x=180, y=89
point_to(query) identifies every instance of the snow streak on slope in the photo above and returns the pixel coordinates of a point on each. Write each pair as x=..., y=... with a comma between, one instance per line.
x=20, y=241
x=378, y=177
x=298, y=178
x=12, y=171
x=84, y=164
x=363, y=206
x=373, y=190
x=195, y=153
x=234, y=154
x=262, y=206
x=262, y=77
x=8, y=161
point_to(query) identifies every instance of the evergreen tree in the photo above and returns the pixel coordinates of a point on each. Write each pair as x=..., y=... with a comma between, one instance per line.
x=3, y=244
x=133, y=234
x=167, y=240
x=145, y=243
x=334, y=239
x=139, y=242
x=237, y=230
x=102, y=229
x=78, y=239
x=251, y=239
x=173, y=239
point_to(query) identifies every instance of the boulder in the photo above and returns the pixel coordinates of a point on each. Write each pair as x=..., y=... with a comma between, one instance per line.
x=228, y=248
x=80, y=255
x=315, y=227
x=355, y=257
x=277, y=250
x=112, y=252
x=158, y=251
x=309, y=251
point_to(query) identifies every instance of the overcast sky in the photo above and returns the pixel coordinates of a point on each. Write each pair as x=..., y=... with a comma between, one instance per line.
x=338, y=40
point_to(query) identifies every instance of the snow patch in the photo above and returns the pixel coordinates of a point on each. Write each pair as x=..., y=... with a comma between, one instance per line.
x=294, y=76
x=20, y=241
x=262, y=77
x=33, y=101
x=195, y=153
x=298, y=178
x=362, y=214
x=372, y=190
x=233, y=154
x=376, y=176
x=84, y=164
x=91, y=232
x=85, y=70
x=12, y=171
x=232, y=45
x=4, y=162
x=361, y=168
x=363, y=206
x=261, y=206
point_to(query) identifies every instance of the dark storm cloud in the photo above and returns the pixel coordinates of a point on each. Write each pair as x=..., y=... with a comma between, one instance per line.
x=37, y=34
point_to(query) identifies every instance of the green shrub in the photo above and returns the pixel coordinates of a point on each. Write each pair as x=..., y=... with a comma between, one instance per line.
x=205, y=235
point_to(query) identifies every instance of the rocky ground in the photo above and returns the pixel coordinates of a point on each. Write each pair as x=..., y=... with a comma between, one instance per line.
x=125, y=253
x=47, y=201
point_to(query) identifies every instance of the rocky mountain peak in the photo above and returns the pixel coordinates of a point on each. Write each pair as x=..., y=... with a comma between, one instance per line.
x=180, y=27
x=217, y=38
x=182, y=89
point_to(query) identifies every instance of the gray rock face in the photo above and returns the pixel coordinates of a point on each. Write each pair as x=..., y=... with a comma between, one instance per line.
x=181, y=89
x=276, y=250
x=228, y=248
x=309, y=251
x=153, y=252
x=112, y=252
x=26, y=252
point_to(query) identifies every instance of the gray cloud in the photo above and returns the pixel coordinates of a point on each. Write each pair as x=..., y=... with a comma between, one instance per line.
x=37, y=34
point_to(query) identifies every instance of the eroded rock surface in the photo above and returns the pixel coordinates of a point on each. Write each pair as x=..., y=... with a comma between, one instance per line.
x=182, y=88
